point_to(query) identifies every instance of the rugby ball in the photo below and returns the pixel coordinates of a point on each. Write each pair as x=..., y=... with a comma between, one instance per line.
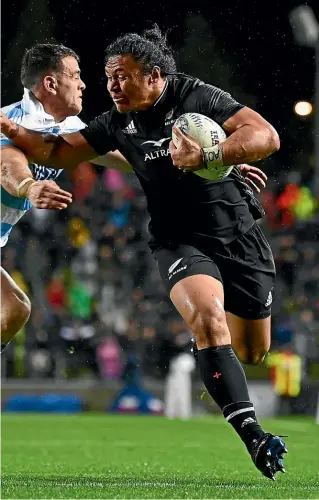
x=206, y=133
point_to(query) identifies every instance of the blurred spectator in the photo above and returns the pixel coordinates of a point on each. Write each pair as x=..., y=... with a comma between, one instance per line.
x=57, y=294
x=80, y=343
x=109, y=358
x=84, y=179
x=99, y=291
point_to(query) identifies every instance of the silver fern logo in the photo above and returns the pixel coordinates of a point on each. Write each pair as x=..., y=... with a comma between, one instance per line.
x=269, y=300
x=171, y=269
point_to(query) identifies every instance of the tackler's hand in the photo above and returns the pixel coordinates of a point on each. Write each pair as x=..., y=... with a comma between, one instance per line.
x=47, y=194
x=254, y=177
x=7, y=126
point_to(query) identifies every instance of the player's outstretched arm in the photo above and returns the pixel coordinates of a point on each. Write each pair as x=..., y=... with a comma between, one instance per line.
x=63, y=151
x=14, y=169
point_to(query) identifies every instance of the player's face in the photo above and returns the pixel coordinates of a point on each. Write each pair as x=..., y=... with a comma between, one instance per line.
x=70, y=86
x=129, y=87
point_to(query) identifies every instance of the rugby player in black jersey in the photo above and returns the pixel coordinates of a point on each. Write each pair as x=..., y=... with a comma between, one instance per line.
x=213, y=258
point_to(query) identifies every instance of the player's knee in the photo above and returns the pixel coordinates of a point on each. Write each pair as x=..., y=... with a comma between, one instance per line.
x=209, y=325
x=24, y=306
x=256, y=356
x=15, y=315
x=241, y=353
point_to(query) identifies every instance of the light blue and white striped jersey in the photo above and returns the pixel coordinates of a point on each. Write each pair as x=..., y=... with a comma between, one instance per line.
x=30, y=113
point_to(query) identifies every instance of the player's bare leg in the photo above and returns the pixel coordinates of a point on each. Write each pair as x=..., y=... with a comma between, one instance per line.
x=15, y=308
x=250, y=338
x=200, y=299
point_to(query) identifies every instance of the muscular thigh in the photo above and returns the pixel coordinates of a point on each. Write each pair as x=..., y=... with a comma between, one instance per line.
x=195, y=287
x=181, y=261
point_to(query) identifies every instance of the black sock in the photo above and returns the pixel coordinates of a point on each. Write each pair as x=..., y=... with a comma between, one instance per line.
x=243, y=418
x=225, y=381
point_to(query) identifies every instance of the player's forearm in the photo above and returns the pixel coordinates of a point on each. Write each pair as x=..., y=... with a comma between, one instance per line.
x=249, y=144
x=14, y=170
x=46, y=148
x=34, y=144
x=114, y=160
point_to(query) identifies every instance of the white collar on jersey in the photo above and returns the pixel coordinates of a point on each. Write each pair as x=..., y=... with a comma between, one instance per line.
x=33, y=107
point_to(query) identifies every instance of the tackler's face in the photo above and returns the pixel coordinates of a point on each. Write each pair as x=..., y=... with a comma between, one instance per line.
x=70, y=86
x=129, y=87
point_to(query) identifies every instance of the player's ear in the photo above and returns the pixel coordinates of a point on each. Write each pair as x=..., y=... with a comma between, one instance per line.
x=155, y=75
x=50, y=84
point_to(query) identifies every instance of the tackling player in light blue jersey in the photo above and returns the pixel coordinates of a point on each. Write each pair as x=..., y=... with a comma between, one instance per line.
x=51, y=102
x=30, y=113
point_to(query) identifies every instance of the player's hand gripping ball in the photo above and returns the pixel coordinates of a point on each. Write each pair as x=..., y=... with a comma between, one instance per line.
x=205, y=133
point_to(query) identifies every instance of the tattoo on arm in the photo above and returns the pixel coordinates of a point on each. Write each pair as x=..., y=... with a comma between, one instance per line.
x=4, y=170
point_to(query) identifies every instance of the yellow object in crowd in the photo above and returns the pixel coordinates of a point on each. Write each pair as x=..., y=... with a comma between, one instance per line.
x=78, y=232
x=305, y=207
x=286, y=372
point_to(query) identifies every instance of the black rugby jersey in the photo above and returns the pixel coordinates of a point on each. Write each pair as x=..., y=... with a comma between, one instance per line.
x=183, y=207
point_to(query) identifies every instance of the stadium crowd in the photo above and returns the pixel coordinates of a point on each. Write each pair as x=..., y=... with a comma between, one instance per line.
x=96, y=293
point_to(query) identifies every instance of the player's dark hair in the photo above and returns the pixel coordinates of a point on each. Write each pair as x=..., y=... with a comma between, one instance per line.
x=42, y=58
x=149, y=49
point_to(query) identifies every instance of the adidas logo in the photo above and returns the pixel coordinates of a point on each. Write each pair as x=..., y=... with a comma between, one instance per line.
x=248, y=421
x=130, y=129
x=269, y=300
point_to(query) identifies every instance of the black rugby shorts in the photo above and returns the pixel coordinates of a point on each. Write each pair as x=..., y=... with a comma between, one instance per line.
x=245, y=267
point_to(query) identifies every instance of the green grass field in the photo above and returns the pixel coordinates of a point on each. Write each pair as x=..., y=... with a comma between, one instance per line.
x=102, y=456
